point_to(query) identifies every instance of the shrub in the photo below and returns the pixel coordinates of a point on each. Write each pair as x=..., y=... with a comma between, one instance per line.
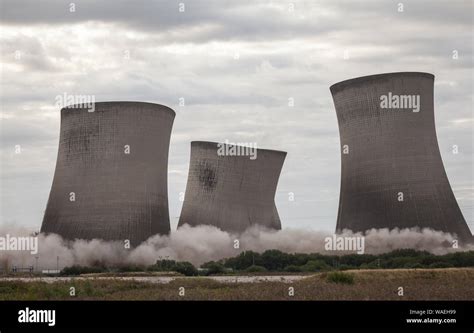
x=314, y=266
x=78, y=270
x=186, y=268
x=275, y=260
x=344, y=267
x=340, y=277
x=401, y=262
x=293, y=268
x=130, y=268
x=214, y=268
x=440, y=264
x=163, y=266
x=256, y=269
x=243, y=261
x=376, y=264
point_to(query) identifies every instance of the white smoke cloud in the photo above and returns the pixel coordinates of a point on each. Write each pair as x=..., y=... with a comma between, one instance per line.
x=205, y=243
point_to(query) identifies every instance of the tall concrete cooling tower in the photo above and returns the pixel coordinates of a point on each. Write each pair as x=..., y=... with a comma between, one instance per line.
x=392, y=172
x=231, y=192
x=111, y=174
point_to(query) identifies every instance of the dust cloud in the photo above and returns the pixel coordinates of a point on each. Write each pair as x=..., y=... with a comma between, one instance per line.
x=206, y=243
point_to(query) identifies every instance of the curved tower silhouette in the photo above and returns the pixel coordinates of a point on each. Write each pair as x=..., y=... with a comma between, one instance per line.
x=392, y=175
x=111, y=173
x=231, y=192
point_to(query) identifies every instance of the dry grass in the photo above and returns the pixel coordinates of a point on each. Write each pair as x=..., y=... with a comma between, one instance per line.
x=418, y=284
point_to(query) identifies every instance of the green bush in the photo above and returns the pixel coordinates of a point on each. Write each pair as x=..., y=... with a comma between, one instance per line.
x=243, y=261
x=340, y=277
x=355, y=260
x=440, y=264
x=373, y=264
x=163, y=266
x=186, y=268
x=314, y=266
x=213, y=267
x=130, y=268
x=78, y=270
x=345, y=267
x=256, y=269
x=401, y=262
x=275, y=260
x=293, y=268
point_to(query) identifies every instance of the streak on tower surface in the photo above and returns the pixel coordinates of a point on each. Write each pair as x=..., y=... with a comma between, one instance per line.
x=231, y=192
x=110, y=180
x=390, y=154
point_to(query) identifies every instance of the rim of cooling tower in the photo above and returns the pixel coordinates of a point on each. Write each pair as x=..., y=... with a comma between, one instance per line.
x=162, y=107
x=336, y=87
x=212, y=144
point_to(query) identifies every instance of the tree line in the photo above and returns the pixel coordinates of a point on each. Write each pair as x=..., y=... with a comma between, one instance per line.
x=278, y=261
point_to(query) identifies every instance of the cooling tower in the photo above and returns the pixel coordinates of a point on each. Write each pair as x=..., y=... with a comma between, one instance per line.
x=111, y=173
x=392, y=173
x=231, y=192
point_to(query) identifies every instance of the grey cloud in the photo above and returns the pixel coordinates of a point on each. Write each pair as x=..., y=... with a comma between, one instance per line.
x=250, y=20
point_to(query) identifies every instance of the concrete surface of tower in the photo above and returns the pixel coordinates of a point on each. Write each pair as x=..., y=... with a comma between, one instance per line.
x=110, y=180
x=231, y=192
x=392, y=174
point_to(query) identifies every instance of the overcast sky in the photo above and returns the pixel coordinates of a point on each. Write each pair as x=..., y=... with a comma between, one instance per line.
x=236, y=64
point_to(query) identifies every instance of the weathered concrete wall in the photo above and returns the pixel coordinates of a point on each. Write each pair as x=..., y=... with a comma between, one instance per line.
x=392, y=151
x=117, y=195
x=231, y=192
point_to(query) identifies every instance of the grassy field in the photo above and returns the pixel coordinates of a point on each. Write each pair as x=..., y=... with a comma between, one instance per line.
x=418, y=284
